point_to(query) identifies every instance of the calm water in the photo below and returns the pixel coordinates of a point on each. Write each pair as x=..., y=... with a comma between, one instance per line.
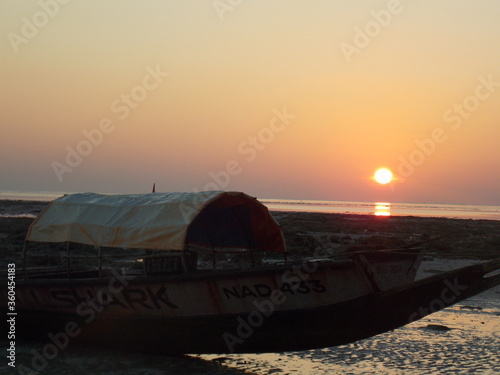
x=373, y=208
x=386, y=209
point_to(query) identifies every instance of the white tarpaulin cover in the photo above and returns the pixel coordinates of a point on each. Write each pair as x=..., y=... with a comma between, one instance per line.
x=165, y=221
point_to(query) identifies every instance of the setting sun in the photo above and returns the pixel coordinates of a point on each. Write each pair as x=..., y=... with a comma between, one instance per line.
x=383, y=176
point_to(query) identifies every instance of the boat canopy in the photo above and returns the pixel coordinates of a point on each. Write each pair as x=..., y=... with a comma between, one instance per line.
x=163, y=221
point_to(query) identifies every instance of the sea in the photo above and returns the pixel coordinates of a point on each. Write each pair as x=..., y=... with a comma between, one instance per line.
x=463, y=339
x=460, y=211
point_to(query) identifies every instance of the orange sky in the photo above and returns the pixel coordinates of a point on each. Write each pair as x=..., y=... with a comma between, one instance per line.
x=282, y=99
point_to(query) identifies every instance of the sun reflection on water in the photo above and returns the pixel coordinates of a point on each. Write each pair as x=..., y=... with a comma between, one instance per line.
x=382, y=209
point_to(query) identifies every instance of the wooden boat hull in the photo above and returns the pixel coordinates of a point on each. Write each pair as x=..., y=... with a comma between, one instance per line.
x=264, y=324
x=275, y=331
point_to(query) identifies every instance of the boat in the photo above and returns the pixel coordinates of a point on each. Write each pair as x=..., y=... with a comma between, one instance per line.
x=162, y=272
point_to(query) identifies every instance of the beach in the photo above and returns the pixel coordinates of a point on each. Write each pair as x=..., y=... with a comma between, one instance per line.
x=461, y=339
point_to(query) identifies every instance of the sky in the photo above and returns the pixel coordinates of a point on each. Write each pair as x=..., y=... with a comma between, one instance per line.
x=280, y=99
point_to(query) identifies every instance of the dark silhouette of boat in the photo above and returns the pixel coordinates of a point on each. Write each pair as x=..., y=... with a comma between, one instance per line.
x=170, y=294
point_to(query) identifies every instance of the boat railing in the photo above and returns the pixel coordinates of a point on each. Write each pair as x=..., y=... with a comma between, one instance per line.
x=72, y=258
x=246, y=256
x=90, y=258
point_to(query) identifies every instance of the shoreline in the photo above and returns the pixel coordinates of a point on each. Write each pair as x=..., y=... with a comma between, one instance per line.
x=17, y=207
x=452, y=211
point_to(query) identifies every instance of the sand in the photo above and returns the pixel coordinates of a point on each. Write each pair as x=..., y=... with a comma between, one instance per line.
x=456, y=238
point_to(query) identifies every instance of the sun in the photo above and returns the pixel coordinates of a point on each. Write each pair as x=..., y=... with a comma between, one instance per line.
x=383, y=176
